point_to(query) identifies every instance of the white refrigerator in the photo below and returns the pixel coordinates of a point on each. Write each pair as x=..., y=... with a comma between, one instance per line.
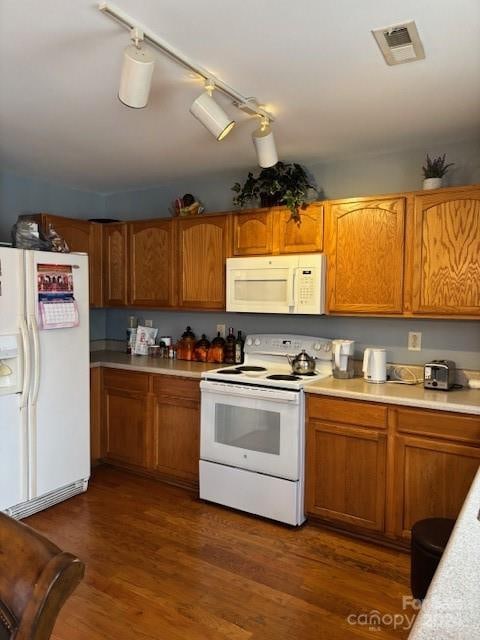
x=44, y=379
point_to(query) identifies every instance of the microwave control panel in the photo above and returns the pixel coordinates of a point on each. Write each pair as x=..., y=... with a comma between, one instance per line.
x=306, y=291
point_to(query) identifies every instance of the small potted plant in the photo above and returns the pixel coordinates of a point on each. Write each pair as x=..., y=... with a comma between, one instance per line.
x=434, y=170
x=282, y=184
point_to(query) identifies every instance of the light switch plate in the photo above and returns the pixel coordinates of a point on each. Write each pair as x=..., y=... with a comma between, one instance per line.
x=222, y=328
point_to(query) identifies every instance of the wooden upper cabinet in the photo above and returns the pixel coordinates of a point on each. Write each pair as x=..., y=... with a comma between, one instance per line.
x=446, y=252
x=85, y=237
x=273, y=231
x=253, y=233
x=305, y=236
x=115, y=264
x=364, y=242
x=203, y=246
x=151, y=263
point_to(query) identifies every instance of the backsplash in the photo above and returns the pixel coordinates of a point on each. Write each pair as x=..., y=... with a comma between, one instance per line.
x=457, y=340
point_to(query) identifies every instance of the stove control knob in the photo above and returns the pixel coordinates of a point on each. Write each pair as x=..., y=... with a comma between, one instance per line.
x=257, y=342
x=317, y=346
x=327, y=346
x=249, y=342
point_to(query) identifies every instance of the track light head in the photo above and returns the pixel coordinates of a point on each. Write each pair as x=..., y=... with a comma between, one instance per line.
x=136, y=76
x=264, y=143
x=211, y=114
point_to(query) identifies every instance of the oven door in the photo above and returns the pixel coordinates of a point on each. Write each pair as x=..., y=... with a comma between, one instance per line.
x=255, y=428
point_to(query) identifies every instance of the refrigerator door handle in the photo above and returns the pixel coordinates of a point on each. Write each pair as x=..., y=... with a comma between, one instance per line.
x=36, y=358
x=27, y=363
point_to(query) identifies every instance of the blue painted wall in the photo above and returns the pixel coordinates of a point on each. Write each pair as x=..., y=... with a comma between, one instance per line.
x=356, y=175
x=23, y=194
x=452, y=339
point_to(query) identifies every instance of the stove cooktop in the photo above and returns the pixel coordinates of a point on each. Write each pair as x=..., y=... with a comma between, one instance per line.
x=266, y=362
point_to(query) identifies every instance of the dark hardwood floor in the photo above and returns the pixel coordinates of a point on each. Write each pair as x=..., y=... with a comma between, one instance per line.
x=161, y=564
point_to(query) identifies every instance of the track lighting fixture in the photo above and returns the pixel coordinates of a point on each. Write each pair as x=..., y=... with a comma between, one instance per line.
x=211, y=114
x=136, y=76
x=264, y=144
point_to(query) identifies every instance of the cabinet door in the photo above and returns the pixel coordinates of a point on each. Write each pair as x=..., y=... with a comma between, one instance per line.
x=115, y=264
x=126, y=427
x=345, y=474
x=96, y=396
x=151, y=263
x=365, y=255
x=202, y=250
x=432, y=479
x=85, y=237
x=305, y=236
x=253, y=233
x=446, y=253
x=177, y=428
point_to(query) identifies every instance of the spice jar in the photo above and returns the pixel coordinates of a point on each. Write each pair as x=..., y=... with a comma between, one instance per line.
x=186, y=345
x=215, y=352
x=201, y=349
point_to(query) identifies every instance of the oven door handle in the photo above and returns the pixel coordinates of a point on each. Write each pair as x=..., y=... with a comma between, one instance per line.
x=244, y=391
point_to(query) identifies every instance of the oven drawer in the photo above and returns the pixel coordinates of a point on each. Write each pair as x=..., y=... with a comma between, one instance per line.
x=265, y=496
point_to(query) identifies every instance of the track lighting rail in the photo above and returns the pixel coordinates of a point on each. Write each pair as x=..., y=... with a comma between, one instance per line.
x=247, y=105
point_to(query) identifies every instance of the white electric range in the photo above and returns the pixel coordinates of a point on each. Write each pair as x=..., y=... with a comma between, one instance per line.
x=252, y=444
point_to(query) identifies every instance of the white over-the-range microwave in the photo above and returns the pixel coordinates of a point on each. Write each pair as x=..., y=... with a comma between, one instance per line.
x=277, y=284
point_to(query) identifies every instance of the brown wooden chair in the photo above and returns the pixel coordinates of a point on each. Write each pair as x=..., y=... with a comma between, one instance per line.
x=36, y=578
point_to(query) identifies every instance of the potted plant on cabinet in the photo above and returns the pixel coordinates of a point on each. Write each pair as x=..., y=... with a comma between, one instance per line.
x=282, y=184
x=434, y=170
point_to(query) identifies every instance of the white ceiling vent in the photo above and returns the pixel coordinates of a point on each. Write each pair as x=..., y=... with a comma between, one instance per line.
x=399, y=43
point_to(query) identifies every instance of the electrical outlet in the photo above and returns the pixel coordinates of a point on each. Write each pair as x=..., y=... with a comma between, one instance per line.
x=149, y=323
x=222, y=329
x=414, y=340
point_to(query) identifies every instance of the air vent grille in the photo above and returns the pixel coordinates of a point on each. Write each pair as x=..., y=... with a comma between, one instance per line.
x=397, y=37
x=399, y=43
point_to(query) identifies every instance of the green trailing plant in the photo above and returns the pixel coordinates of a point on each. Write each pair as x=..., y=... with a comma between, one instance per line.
x=436, y=167
x=282, y=184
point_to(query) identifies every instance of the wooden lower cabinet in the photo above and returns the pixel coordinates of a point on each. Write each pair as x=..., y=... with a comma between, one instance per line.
x=348, y=484
x=346, y=462
x=376, y=469
x=127, y=417
x=96, y=403
x=177, y=429
x=151, y=423
x=432, y=479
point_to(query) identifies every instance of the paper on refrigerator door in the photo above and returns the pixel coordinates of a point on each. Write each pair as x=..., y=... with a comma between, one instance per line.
x=57, y=306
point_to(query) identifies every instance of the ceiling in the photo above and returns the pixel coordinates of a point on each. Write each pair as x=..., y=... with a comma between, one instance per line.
x=315, y=64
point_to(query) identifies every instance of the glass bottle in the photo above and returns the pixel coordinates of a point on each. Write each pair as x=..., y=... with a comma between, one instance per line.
x=229, y=355
x=239, y=345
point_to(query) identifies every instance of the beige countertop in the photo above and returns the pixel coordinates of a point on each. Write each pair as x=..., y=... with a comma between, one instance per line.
x=458, y=400
x=119, y=360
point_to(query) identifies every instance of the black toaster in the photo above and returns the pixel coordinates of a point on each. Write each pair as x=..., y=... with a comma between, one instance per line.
x=439, y=374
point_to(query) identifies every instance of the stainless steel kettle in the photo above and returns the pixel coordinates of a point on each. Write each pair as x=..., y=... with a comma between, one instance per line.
x=302, y=363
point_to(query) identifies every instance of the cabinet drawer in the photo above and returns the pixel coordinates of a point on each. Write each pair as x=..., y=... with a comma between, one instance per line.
x=451, y=426
x=364, y=414
x=171, y=386
x=124, y=379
